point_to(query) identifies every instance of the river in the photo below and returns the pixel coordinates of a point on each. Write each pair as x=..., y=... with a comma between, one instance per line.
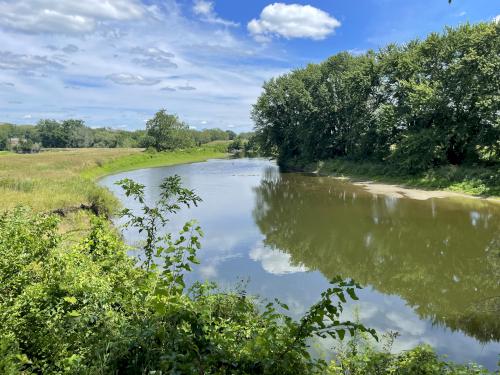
x=430, y=268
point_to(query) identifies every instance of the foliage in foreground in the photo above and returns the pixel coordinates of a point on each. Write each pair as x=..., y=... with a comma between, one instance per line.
x=89, y=309
x=421, y=360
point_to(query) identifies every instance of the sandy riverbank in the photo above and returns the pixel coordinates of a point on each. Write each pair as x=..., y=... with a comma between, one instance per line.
x=398, y=191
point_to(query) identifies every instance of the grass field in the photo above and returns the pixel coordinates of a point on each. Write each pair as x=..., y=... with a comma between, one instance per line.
x=63, y=179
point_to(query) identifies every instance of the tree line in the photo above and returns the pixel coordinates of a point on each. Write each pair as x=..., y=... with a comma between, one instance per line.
x=417, y=106
x=163, y=132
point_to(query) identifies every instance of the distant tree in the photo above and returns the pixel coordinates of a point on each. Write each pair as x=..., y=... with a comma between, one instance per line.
x=167, y=132
x=52, y=133
x=76, y=134
x=5, y=130
x=231, y=135
x=236, y=145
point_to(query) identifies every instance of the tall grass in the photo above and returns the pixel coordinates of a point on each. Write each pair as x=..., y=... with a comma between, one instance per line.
x=66, y=178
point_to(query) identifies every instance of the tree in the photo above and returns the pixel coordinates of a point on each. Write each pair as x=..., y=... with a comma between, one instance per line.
x=167, y=132
x=52, y=133
x=77, y=134
x=230, y=135
x=418, y=106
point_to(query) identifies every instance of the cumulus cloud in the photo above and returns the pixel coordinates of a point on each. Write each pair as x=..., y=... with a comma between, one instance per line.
x=153, y=58
x=205, y=9
x=29, y=63
x=275, y=262
x=292, y=21
x=133, y=79
x=106, y=79
x=65, y=16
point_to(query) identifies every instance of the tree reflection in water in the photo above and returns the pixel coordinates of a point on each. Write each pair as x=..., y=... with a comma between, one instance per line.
x=442, y=256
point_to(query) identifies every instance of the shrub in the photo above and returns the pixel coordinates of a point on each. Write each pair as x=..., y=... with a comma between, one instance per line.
x=89, y=309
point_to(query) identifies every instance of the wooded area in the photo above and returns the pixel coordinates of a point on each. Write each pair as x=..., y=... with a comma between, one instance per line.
x=416, y=106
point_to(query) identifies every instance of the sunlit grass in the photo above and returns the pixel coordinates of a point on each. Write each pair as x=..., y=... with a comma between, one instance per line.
x=66, y=178
x=155, y=159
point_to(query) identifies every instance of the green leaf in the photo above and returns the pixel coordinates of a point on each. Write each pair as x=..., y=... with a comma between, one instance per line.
x=352, y=294
x=70, y=300
x=341, y=333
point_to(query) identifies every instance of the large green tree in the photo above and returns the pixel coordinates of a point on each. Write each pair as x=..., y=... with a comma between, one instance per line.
x=418, y=106
x=167, y=132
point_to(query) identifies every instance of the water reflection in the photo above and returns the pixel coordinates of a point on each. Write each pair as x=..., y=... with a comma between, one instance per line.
x=430, y=267
x=440, y=256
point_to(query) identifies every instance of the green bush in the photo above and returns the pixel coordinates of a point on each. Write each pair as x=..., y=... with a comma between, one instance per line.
x=417, y=152
x=421, y=360
x=90, y=309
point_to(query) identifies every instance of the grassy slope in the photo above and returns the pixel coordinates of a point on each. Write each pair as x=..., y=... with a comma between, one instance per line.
x=468, y=180
x=66, y=178
x=150, y=160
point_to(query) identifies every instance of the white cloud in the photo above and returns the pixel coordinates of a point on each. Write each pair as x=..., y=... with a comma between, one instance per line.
x=208, y=271
x=186, y=87
x=133, y=79
x=357, y=51
x=274, y=261
x=70, y=48
x=202, y=7
x=410, y=325
x=167, y=88
x=121, y=68
x=65, y=16
x=497, y=19
x=153, y=58
x=21, y=62
x=292, y=21
x=205, y=9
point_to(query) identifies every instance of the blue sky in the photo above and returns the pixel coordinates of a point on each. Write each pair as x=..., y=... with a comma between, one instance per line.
x=116, y=62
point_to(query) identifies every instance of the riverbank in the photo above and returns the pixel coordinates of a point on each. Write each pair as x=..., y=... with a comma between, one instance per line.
x=65, y=179
x=449, y=181
x=153, y=160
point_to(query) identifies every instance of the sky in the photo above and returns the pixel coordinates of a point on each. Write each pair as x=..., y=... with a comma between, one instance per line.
x=116, y=62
